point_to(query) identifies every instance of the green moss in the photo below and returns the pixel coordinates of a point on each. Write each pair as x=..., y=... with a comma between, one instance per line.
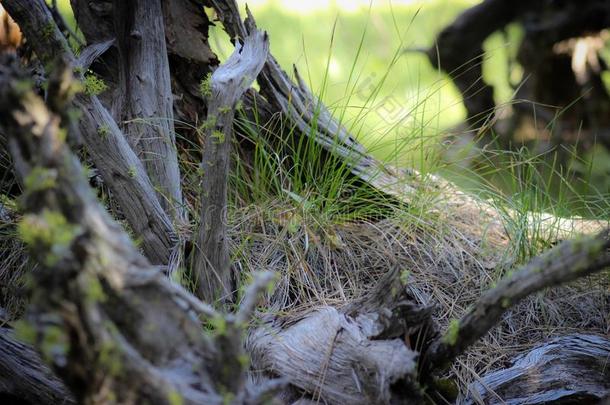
x=94, y=85
x=404, y=277
x=40, y=179
x=95, y=291
x=48, y=232
x=451, y=335
x=244, y=360
x=132, y=172
x=218, y=325
x=209, y=123
x=205, y=86
x=218, y=136
x=506, y=303
x=103, y=131
x=25, y=332
x=225, y=109
x=175, y=398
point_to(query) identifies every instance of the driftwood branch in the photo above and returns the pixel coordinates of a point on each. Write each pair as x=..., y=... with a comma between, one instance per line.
x=566, y=262
x=227, y=84
x=119, y=166
x=566, y=370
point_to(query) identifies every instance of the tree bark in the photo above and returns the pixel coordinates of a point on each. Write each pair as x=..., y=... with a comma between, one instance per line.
x=120, y=168
x=567, y=370
x=98, y=302
x=212, y=266
x=24, y=376
x=147, y=100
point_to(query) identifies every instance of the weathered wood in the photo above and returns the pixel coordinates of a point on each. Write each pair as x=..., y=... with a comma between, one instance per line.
x=328, y=356
x=24, y=376
x=355, y=355
x=567, y=370
x=98, y=302
x=119, y=166
x=212, y=267
x=566, y=262
x=146, y=97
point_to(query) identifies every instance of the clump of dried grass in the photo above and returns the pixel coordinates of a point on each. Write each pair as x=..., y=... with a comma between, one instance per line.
x=450, y=259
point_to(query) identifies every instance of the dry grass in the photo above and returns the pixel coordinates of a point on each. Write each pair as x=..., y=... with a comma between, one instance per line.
x=450, y=265
x=14, y=264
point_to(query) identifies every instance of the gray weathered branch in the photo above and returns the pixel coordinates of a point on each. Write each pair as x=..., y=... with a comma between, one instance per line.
x=566, y=370
x=24, y=376
x=98, y=302
x=147, y=101
x=212, y=267
x=120, y=168
x=566, y=262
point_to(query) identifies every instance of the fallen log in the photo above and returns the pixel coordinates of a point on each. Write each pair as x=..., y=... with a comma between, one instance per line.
x=567, y=370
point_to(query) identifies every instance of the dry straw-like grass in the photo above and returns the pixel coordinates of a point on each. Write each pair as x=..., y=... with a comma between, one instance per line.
x=451, y=258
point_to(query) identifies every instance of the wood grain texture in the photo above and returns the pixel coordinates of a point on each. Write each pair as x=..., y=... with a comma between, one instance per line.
x=212, y=267
x=566, y=370
x=119, y=166
x=147, y=103
x=24, y=376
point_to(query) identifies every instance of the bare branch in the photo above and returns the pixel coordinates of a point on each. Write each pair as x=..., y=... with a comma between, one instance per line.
x=147, y=105
x=120, y=168
x=228, y=83
x=566, y=262
x=104, y=305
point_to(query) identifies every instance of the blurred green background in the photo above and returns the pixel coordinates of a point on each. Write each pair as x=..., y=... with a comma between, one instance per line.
x=351, y=53
x=361, y=58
